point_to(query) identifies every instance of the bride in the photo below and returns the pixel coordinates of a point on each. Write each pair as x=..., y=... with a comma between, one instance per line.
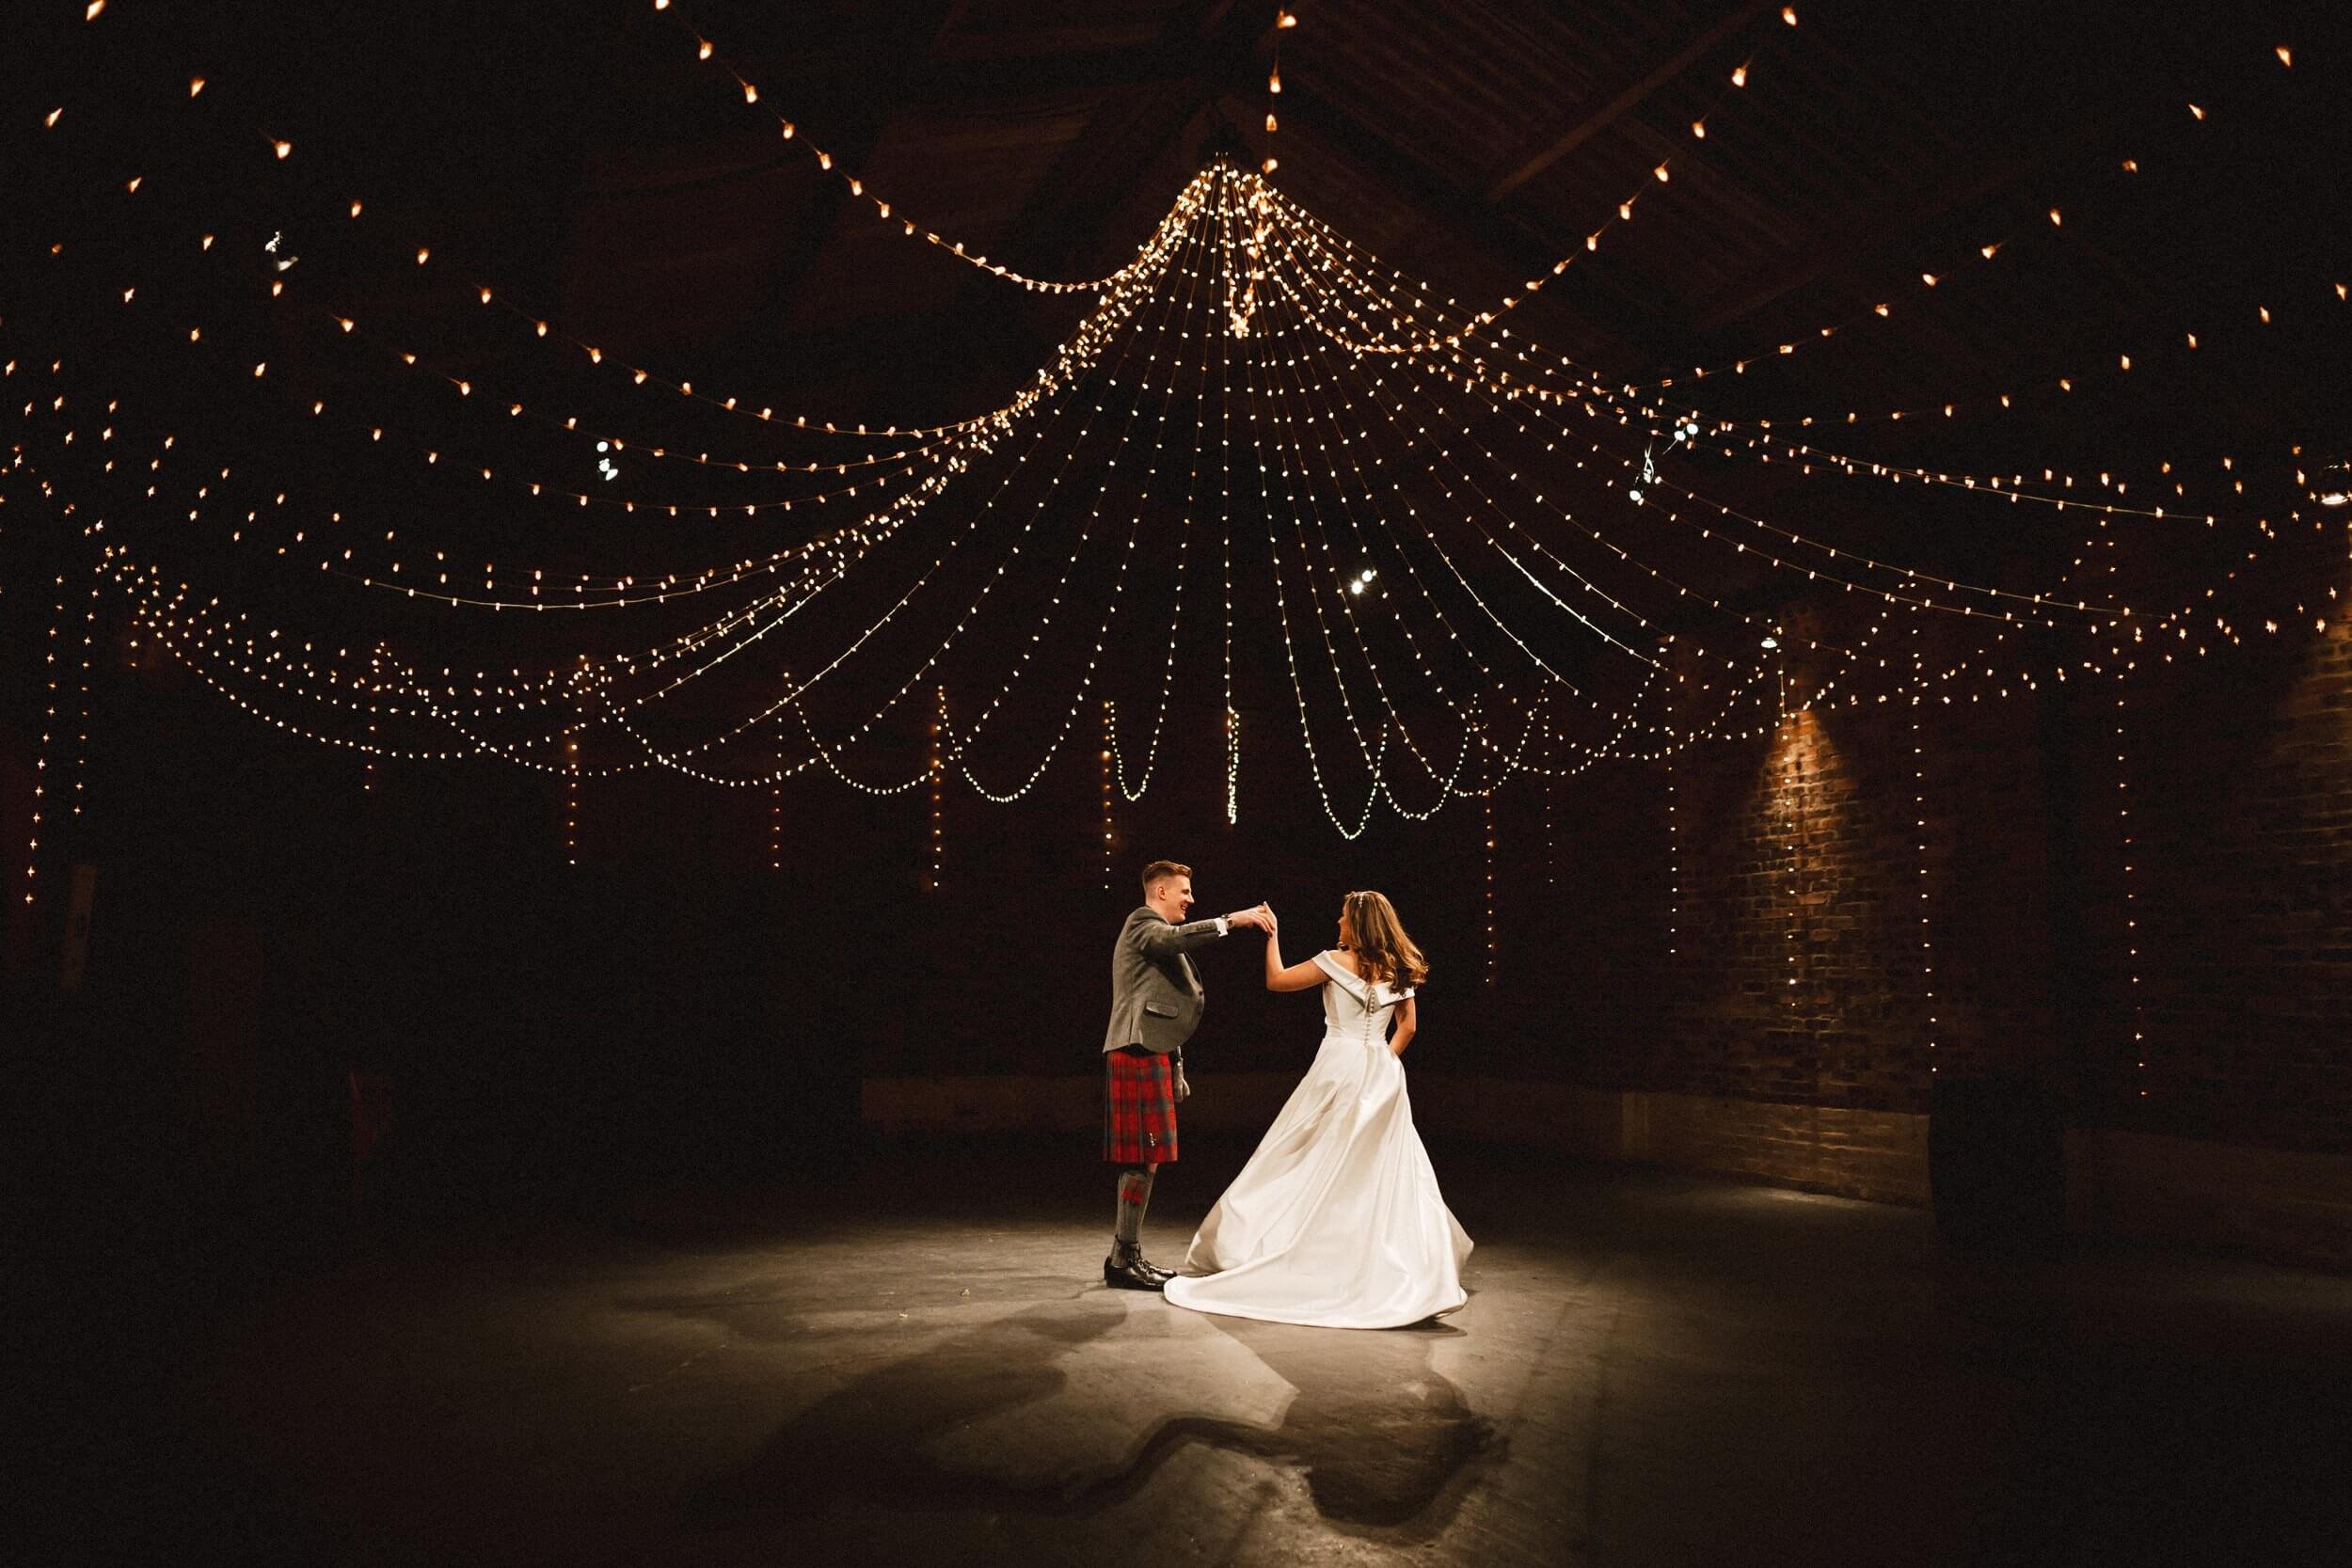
x=1336, y=1220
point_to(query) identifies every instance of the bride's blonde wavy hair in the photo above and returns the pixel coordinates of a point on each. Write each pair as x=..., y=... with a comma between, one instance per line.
x=1369, y=929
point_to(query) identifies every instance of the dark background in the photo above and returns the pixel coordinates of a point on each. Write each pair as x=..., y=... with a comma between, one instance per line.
x=273, y=918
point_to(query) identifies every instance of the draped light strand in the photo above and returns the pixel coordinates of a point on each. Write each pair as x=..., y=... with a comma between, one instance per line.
x=2125, y=831
x=707, y=53
x=1454, y=338
x=1362, y=581
x=1311, y=392
x=1569, y=517
x=1110, y=728
x=1585, y=386
x=1339, y=431
x=1371, y=397
x=1149, y=254
x=1673, y=865
x=1659, y=174
x=571, y=801
x=1919, y=826
x=81, y=686
x=1281, y=278
x=409, y=697
x=959, y=746
x=775, y=817
x=623, y=592
x=1494, y=946
x=1127, y=434
x=937, y=768
x=1185, y=521
x=1267, y=509
x=48, y=738
x=1836, y=553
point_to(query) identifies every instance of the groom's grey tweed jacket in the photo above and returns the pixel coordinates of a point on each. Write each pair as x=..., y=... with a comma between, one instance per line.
x=1155, y=993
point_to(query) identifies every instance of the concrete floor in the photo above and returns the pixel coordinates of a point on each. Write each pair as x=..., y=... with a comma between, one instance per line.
x=921, y=1365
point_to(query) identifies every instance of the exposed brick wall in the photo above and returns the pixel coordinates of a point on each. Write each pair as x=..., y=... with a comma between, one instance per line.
x=1879, y=1155
x=1796, y=974
x=2241, y=767
x=1808, y=844
x=1799, y=858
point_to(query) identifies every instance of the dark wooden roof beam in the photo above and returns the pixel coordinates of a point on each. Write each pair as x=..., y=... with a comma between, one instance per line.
x=1547, y=146
x=1510, y=240
x=1846, y=250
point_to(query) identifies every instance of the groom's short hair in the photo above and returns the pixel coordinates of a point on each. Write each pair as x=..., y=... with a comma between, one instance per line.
x=1159, y=870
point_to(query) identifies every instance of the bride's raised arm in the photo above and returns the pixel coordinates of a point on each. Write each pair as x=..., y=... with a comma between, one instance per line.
x=1304, y=976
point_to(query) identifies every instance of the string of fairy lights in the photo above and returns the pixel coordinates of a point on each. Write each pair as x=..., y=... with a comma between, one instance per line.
x=1184, y=539
x=1453, y=336
x=1511, y=524
x=2136, y=998
x=1792, y=811
x=935, y=766
x=1110, y=728
x=1494, y=945
x=775, y=817
x=1673, y=865
x=2107, y=509
x=68, y=439
x=1483, y=558
x=1926, y=934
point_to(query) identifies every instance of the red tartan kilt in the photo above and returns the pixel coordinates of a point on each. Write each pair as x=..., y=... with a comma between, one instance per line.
x=1138, y=1108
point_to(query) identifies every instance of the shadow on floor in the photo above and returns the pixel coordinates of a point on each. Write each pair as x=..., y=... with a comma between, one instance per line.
x=1383, y=1441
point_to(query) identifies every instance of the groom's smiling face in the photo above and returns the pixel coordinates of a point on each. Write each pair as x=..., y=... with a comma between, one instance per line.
x=1173, y=895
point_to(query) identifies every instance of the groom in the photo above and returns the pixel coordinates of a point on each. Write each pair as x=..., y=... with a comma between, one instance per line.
x=1155, y=1005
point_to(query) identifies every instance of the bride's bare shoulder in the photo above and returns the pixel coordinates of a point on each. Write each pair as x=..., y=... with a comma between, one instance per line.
x=1345, y=958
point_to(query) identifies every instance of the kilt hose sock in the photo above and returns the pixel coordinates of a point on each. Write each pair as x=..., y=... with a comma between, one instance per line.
x=1135, y=1195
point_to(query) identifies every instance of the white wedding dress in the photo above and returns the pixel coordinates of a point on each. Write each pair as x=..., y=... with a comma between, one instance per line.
x=1336, y=1220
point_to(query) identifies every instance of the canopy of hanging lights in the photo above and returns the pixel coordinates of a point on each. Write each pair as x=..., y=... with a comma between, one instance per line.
x=1262, y=457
